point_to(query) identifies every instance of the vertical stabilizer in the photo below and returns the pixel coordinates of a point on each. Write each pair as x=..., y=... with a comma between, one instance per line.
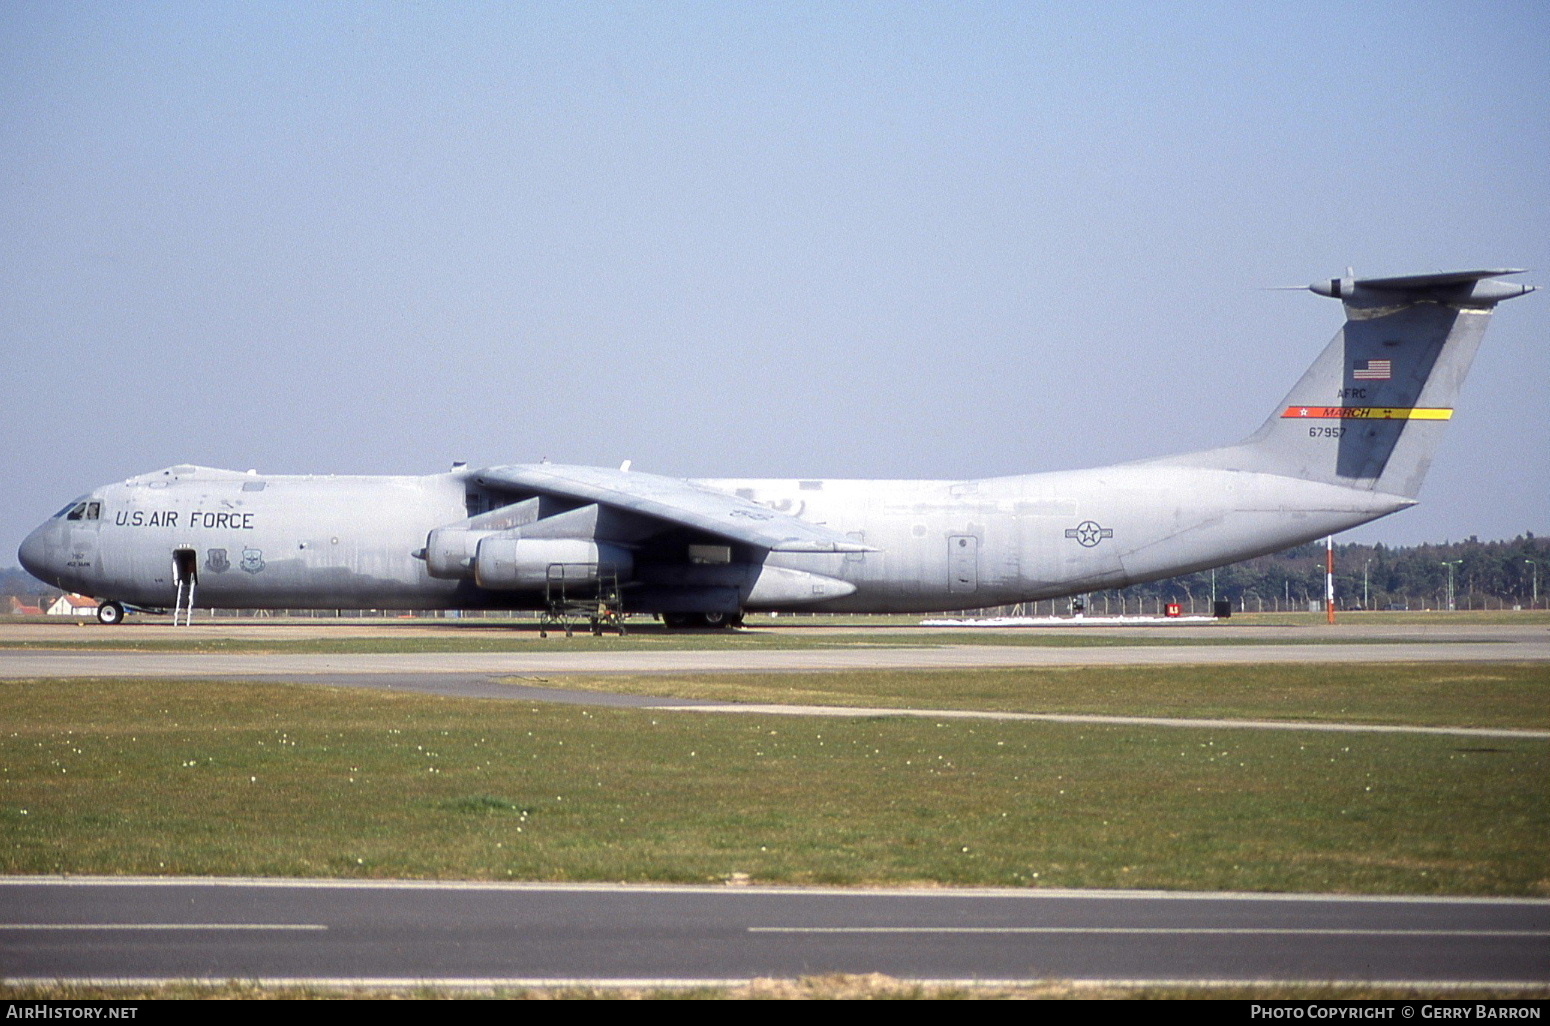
x=1370, y=412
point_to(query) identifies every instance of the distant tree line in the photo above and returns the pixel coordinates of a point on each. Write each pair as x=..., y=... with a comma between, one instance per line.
x=1486, y=575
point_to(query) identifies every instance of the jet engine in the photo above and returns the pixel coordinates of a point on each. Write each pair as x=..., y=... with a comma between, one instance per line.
x=521, y=563
x=449, y=552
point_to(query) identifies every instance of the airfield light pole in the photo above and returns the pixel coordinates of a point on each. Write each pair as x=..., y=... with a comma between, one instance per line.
x=1365, y=603
x=1450, y=563
x=1535, y=564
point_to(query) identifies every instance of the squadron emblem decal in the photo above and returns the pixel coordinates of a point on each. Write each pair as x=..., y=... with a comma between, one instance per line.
x=1088, y=533
x=252, y=560
x=216, y=561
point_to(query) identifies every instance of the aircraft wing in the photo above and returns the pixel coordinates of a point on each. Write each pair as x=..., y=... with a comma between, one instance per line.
x=676, y=502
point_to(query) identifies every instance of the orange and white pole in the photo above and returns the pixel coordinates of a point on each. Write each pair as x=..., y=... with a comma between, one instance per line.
x=1329, y=577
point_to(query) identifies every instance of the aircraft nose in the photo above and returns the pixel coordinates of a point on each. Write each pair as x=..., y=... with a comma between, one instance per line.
x=34, y=554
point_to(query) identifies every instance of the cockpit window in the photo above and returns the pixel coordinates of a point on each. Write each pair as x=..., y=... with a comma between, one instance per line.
x=71, y=505
x=82, y=511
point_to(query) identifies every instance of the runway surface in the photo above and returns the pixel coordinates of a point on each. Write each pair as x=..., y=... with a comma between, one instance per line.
x=467, y=934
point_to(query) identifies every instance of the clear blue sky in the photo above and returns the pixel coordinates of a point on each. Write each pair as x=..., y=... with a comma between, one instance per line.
x=762, y=239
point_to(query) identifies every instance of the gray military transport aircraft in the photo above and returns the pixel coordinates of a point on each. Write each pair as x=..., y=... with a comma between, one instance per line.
x=1350, y=443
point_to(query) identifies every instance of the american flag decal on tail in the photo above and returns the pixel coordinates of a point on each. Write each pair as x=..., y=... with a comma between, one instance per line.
x=1372, y=370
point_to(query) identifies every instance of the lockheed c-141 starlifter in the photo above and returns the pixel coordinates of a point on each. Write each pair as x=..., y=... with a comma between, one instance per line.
x=1351, y=442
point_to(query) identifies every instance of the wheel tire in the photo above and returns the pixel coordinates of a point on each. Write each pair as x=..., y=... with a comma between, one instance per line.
x=676, y=621
x=110, y=613
x=716, y=621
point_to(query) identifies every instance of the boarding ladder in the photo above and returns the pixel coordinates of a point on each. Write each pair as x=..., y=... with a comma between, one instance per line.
x=185, y=571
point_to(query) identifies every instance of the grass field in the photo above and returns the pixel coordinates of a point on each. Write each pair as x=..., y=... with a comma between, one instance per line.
x=132, y=777
x=1424, y=694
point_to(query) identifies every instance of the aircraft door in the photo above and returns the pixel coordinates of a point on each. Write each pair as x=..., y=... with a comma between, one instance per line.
x=185, y=572
x=185, y=566
x=963, y=564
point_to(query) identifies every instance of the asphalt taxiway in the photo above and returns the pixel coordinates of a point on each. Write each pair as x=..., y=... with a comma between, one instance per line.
x=411, y=933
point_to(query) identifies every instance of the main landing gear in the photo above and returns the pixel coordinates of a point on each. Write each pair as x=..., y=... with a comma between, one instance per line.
x=713, y=621
x=110, y=613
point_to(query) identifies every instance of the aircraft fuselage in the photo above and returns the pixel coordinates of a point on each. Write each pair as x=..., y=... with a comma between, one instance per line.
x=292, y=542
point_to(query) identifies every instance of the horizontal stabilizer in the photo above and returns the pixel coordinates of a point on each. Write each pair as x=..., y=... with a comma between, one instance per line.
x=1429, y=281
x=1464, y=288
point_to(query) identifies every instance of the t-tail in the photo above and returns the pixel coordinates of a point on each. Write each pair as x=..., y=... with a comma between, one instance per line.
x=1370, y=412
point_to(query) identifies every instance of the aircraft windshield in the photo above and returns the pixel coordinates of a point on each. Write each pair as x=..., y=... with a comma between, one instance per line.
x=81, y=510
